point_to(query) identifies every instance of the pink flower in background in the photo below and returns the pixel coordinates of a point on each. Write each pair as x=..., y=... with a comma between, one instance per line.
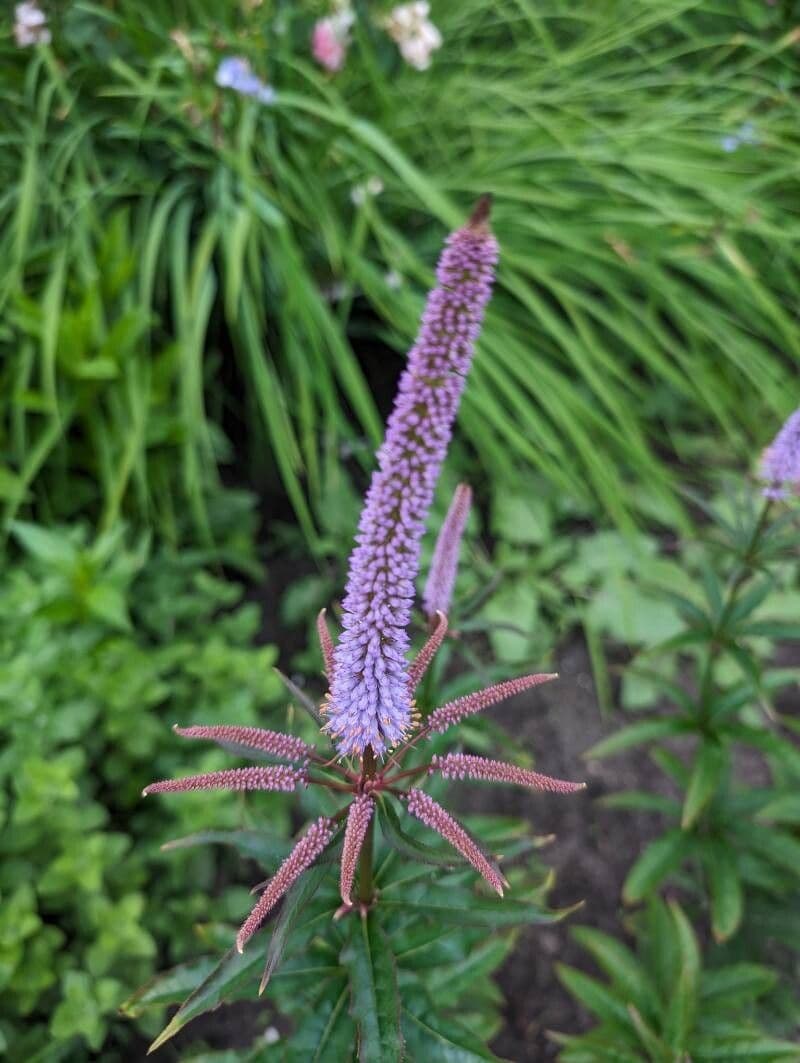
x=330, y=39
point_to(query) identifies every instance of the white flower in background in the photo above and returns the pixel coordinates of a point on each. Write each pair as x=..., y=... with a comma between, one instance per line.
x=414, y=34
x=359, y=194
x=393, y=280
x=30, y=25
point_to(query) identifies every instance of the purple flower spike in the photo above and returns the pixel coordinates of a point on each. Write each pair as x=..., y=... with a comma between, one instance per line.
x=780, y=462
x=434, y=816
x=442, y=576
x=274, y=743
x=301, y=857
x=358, y=819
x=464, y=766
x=369, y=702
x=280, y=777
x=469, y=704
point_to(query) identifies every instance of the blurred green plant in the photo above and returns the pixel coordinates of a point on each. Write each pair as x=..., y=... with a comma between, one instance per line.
x=157, y=229
x=102, y=646
x=408, y=980
x=662, y=1004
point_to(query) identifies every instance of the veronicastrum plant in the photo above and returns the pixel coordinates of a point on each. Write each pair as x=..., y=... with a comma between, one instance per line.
x=360, y=942
x=727, y=744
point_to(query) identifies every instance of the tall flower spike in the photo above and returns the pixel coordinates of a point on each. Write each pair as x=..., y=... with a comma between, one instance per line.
x=301, y=857
x=465, y=766
x=442, y=576
x=273, y=743
x=434, y=816
x=369, y=703
x=279, y=777
x=780, y=462
x=358, y=819
x=419, y=666
x=469, y=704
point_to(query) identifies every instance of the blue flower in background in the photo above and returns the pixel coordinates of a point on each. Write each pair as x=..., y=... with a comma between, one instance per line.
x=745, y=134
x=235, y=73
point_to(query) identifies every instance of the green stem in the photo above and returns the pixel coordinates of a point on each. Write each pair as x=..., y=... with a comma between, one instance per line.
x=365, y=870
x=735, y=585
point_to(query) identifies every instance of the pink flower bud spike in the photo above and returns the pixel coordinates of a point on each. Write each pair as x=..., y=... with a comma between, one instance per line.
x=419, y=666
x=455, y=711
x=434, y=816
x=442, y=576
x=465, y=766
x=358, y=820
x=274, y=743
x=280, y=777
x=301, y=857
x=326, y=644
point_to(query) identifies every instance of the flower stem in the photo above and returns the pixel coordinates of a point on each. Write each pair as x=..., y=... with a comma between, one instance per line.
x=365, y=880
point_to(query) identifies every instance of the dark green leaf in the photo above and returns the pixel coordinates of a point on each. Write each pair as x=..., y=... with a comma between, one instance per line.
x=234, y=970
x=725, y=887
x=374, y=999
x=709, y=764
x=435, y=1039
x=440, y=905
x=408, y=846
x=637, y=734
x=253, y=844
x=660, y=857
x=291, y=908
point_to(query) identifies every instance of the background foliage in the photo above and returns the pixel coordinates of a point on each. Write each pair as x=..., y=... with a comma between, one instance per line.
x=199, y=293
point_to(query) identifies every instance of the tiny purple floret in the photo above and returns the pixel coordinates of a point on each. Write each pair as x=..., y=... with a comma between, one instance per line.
x=780, y=462
x=369, y=702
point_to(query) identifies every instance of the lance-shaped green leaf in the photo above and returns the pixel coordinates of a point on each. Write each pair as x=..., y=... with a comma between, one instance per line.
x=407, y=845
x=234, y=970
x=622, y=967
x=725, y=888
x=655, y=863
x=680, y=1016
x=707, y=771
x=253, y=844
x=328, y=1033
x=439, y=904
x=374, y=999
x=436, y=1039
x=291, y=909
x=299, y=695
x=638, y=734
x=168, y=988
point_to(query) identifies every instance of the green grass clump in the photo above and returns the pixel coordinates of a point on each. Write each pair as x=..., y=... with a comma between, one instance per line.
x=168, y=247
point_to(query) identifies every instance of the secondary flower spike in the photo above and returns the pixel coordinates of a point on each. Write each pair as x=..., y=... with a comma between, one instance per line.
x=369, y=702
x=434, y=816
x=302, y=856
x=780, y=462
x=465, y=766
x=442, y=576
